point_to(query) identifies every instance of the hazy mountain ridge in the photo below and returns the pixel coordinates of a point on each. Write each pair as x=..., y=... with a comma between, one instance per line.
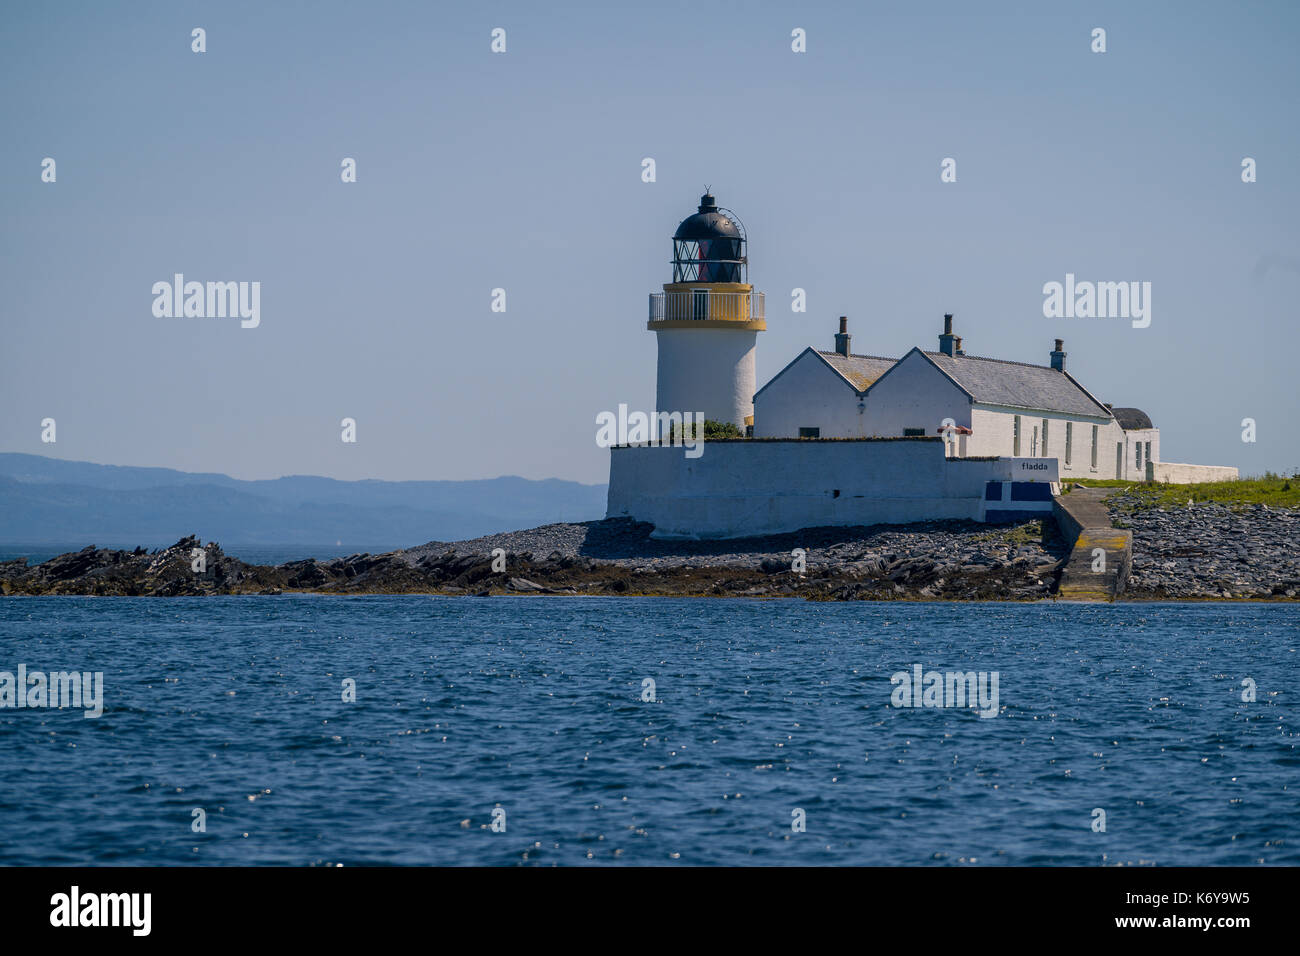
x=48, y=499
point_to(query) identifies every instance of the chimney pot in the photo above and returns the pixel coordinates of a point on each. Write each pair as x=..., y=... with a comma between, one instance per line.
x=1058, y=356
x=842, y=337
x=947, y=341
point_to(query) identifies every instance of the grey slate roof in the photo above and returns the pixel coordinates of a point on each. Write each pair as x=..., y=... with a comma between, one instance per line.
x=1131, y=419
x=860, y=370
x=1018, y=384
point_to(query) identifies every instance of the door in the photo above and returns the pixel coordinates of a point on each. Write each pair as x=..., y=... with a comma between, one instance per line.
x=1119, y=459
x=699, y=304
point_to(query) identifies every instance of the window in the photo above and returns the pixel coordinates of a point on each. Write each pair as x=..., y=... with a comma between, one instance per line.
x=1069, y=440
x=1138, y=460
x=1094, y=446
x=1033, y=442
x=1015, y=437
x=1044, y=437
x=810, y=433
x=1148, y=453
x=913, y=432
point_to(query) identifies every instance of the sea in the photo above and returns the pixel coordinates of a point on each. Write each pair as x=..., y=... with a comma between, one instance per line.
x=312, y=730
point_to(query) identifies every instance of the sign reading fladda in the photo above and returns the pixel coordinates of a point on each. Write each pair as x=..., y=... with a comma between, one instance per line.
x=1029, y=469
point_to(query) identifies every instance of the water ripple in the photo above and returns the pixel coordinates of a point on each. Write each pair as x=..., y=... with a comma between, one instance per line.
x=534, y=707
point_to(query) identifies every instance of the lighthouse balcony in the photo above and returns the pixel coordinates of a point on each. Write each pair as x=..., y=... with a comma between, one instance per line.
x=706, y=305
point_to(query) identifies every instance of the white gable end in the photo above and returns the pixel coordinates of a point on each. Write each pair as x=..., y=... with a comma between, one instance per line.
x=807, y=393
x=914, y=394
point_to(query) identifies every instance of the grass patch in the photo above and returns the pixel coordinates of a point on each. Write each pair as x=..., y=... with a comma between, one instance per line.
x=1276, y=491
x=1032, y=532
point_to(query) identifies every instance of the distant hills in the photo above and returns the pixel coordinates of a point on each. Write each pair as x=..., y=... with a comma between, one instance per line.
x=48, y=500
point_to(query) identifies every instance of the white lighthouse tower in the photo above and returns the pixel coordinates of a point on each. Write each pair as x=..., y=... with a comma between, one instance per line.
x=707, y=321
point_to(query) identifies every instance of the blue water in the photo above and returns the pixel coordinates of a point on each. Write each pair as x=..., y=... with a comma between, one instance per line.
x=233, y=705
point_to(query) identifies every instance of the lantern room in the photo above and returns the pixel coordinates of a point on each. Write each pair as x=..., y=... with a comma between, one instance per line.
x=709, y=246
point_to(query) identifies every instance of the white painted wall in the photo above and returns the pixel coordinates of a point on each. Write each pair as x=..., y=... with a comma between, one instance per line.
x=915, y=394
x=808, y=394
x=707, y=370
x=1176, y=474
x=1117, y=450
x=1135, y=466
x=991, y=432
x=742, y=488
x=1118, y=458
x=994, y=434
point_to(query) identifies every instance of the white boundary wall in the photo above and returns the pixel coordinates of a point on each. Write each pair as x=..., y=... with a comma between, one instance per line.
x=1175, y=474
x=742, y=488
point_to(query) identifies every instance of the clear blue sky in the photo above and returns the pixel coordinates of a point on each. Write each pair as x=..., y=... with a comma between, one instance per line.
x=523, y=170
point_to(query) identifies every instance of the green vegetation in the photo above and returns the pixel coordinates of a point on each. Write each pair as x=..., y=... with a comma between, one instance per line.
x=1276, y=491
x=713, y=431
x=1027, y=533
x=1030, y=532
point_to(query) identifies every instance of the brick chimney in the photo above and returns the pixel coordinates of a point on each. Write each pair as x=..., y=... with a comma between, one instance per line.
x=947, y=341
x=842, y=336
x=1058, y=356
x=958, y=347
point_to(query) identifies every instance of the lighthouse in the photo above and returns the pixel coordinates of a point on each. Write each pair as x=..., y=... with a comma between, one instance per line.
x=707, y=320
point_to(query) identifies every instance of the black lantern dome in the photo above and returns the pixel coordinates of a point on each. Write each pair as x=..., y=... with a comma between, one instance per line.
x=709, y=246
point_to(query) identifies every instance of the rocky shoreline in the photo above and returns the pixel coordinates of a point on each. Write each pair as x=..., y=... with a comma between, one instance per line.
x=1210, y=551
x=1207, y=552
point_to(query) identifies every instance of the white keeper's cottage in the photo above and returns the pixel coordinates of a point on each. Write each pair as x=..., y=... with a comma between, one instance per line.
x=980, y=407
x=837, y=438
